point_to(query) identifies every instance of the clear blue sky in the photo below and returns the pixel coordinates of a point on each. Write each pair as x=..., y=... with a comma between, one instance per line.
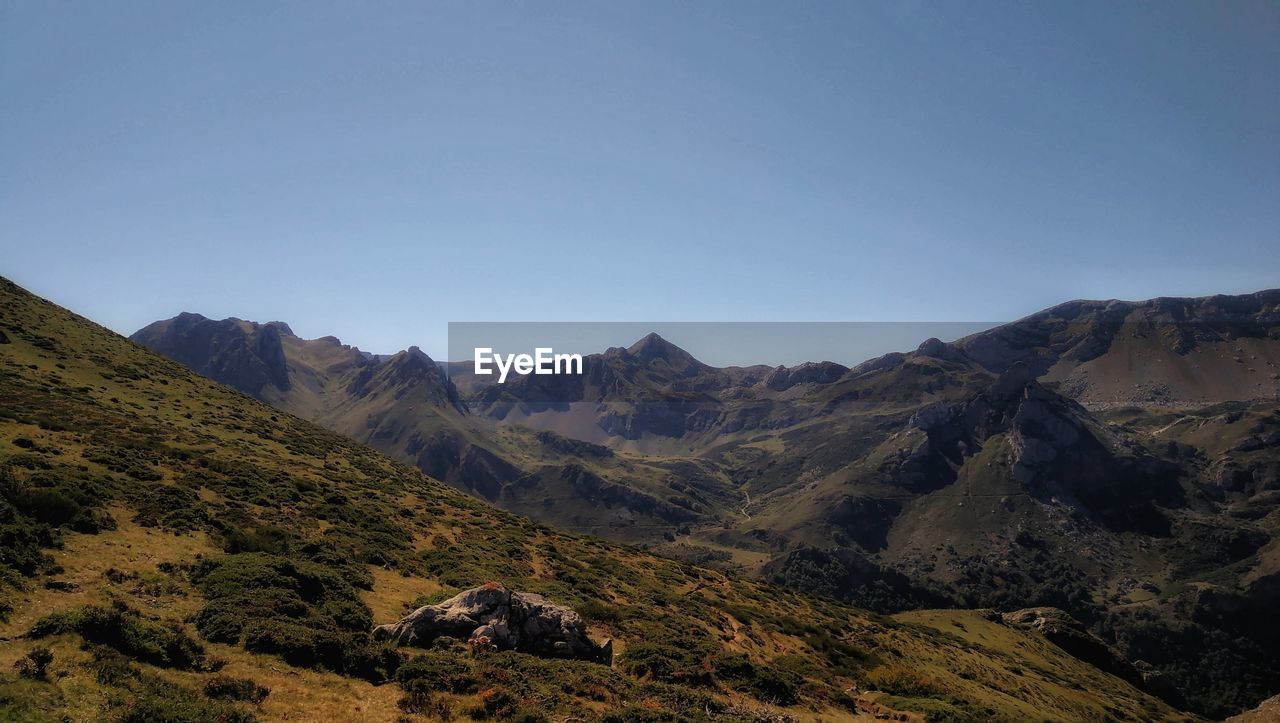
x=375, y=170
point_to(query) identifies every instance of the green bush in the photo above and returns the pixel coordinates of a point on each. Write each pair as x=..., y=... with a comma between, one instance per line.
x=667, y=663
x=35, y=664
x=223, y=687
x=496, y=703
x=157, y=700
x=441, y=670
x=308, y=614
x=770, y=683
x=50, y=506
x=22, y=545
x=123, y=629
x=419, y=697
x=274, y=540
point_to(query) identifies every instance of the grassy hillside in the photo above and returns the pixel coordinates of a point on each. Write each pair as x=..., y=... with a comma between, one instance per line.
x=175, y=550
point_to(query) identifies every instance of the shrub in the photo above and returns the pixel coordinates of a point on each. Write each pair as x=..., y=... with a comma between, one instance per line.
x=49, y=506
x=274, y=540
x=667, y=663
x=22, y=543
x=898, y=679
x=223, y=687
x=495, y=703
x=306, y=613
x=421, y=699
x=137, y=696
x=35, y=664
x=769, y=683
x=123, y=629
x=92, y=521
x=440, y=671
x=163, y=701
x=600, y=612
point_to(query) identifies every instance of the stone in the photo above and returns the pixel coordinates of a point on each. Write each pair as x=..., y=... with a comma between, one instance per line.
x=493, y=615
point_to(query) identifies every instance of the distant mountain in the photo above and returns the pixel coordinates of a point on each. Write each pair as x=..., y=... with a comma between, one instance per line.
x=1167, y=352
x=241, y=354
x=405, y=405
x=309, y=376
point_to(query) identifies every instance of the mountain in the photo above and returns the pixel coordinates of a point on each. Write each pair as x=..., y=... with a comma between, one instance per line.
x=1168, y=352
x=240, y=354
x=175, y=550
x=405, y=405
x=312, y=376
x=1118, y=460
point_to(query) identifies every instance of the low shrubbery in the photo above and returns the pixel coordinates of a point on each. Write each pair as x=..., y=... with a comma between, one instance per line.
x=308, y=614
x=669, y=664
x=139, y=697
x=35, y=664
x=771, y=683
x=125, y=630
x=223, y=687
x=443, y=671
x=901, y=680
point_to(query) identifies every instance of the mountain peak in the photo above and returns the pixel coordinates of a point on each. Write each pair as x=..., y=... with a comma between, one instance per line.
x=653, y=347
x=240, y=354
x=284, y=328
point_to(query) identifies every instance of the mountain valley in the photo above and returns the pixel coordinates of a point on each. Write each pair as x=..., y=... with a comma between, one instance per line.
x=1117, y=460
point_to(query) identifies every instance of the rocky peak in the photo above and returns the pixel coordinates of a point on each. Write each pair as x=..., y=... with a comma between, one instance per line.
x=411, y=369
x=782, y=378
x=248, y=357
x=932, y=347
x=653, y=348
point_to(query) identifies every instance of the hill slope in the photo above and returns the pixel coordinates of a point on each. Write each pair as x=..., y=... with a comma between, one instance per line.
x=168, y=540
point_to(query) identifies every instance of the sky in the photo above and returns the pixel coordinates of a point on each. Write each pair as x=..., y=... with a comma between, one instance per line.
x=377, y=170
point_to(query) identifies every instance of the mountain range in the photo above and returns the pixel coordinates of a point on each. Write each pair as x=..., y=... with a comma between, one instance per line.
x=176, y=550
x=1118, y=460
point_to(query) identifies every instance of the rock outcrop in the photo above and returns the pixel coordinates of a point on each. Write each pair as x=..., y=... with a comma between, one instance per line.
x=1067, y=633
x=782, y=378
x=492, y=616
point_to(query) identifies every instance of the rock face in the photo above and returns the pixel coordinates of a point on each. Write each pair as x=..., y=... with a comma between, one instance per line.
x=783, y=378
x=492, y=615
x=241, y=354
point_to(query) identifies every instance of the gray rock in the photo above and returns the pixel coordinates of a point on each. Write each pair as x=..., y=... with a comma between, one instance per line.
x=492, y=615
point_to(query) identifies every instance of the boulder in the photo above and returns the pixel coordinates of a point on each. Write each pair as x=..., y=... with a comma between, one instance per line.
x=492, y=616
